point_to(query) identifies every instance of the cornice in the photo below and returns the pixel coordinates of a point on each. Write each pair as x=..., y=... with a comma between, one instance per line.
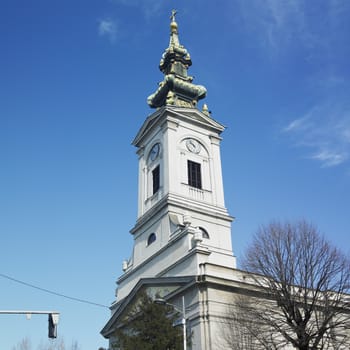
x=173, y=200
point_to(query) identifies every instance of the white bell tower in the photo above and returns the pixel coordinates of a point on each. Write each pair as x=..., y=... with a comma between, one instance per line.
x=182, y=220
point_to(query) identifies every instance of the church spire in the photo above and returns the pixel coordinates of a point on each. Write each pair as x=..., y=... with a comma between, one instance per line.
x=177, y=88
x=174, y=35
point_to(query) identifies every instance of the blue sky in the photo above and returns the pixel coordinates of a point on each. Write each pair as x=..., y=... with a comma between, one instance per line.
x=75, y=76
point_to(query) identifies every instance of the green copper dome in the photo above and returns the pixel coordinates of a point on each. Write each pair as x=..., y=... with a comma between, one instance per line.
x=176, y=88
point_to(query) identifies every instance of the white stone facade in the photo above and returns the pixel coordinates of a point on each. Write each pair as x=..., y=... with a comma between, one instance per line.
x=178, y=213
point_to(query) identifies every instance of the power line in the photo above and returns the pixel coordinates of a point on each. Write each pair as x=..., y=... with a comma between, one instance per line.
x=51, y=292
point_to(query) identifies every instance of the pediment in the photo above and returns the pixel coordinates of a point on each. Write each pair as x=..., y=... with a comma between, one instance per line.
x=155, y=287
x=192, y=115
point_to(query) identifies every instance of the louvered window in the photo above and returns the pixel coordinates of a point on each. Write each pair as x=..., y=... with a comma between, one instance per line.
x=194, y=174
x=155, y=179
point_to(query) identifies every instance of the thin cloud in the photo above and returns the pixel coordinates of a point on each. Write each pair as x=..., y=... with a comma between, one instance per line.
x=294, y=26
x=275, y=23
x=298, y=124
x=108, y=27
x=324, y=133
x=287, y=21
x=280, y=26
x=329, y=158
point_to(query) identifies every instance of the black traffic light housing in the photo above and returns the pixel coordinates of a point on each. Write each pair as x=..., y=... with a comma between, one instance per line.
x=53, y=320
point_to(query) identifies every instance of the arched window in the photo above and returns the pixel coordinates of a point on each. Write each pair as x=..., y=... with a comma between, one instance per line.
x=205, y=233
x=151, y=238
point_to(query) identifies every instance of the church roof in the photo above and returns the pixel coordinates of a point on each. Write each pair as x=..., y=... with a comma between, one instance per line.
x=176, y=88
x=179, y=113
x=156, y=287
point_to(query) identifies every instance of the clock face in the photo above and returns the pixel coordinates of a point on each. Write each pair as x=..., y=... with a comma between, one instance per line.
x=193, y=146
x=154, y=152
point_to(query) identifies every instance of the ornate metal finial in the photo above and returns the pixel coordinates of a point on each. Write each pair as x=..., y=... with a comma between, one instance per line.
x=205, y=109
x=177, y=88
x=173, y=24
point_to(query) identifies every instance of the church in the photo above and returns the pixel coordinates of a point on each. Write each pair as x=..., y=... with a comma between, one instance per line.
x=182, y=236
x=182, y=251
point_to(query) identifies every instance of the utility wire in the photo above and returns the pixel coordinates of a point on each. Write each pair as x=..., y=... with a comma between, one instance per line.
x=51, y=292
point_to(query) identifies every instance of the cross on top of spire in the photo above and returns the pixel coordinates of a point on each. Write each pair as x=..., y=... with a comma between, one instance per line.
x=173, y=14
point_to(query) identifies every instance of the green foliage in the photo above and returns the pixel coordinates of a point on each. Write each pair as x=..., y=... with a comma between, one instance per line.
x=149, y=326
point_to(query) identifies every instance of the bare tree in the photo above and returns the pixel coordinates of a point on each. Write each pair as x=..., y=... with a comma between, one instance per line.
x=303, y=284
x=236, y=331
x=244, y=328
x=24, y=344
x=57, y=344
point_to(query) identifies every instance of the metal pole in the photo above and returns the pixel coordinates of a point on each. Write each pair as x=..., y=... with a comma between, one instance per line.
x=184, y=322
x=19, y=312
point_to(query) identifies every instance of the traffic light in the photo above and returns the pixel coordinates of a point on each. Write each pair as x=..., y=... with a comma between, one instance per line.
x=53, y=321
